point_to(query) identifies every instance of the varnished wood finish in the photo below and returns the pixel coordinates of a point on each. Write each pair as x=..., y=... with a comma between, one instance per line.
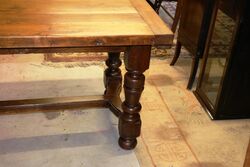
x=63, y=23
x=192, y=12
x=62, y=50
x=129, y=120
x=192, y=33
x=113, y=82
x=64, y=26
x=156, y=5
x=112, y=75
x=155, y=23
x=177, y=16
x=53, y=103
x=176, y=53
x=232, y=99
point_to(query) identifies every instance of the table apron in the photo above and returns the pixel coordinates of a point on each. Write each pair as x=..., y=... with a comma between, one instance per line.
x=63, y=50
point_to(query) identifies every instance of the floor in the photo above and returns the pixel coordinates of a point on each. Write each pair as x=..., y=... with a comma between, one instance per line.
x=176, y=131
x=183, y=134
x=57, y=138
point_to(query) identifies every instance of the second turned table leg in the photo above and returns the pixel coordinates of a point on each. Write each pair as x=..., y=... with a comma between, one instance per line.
x=112, y=75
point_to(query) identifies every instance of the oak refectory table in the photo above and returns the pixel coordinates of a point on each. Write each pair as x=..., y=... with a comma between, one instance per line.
x=67, y=26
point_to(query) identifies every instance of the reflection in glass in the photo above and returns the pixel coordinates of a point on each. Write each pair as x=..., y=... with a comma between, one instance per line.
x=219, y=50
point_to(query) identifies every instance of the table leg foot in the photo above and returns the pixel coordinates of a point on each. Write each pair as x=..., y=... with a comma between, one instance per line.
x=127, y=144
x=129, y=120
x=129, y=129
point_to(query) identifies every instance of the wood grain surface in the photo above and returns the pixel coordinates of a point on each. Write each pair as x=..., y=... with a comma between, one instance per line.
x=71, y=23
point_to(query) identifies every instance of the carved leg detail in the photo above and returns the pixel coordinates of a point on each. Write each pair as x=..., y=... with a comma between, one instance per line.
x=136, y=62
x=130, y=122
x=112, y=75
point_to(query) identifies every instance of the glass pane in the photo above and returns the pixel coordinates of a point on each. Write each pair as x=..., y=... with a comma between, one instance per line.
x=219, y=51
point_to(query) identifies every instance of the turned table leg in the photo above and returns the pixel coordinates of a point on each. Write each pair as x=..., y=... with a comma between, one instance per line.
x=112, y=75
x=136, y=61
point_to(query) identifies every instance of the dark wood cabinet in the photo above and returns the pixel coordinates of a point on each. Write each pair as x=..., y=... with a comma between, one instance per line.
x=224, y=82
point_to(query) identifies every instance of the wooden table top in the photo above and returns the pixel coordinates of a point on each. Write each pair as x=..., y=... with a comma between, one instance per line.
x=76, y=23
